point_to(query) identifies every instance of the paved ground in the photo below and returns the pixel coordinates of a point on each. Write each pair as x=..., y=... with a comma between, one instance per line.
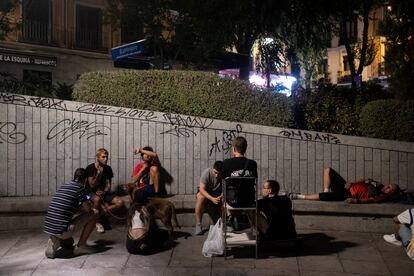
x=327, y=253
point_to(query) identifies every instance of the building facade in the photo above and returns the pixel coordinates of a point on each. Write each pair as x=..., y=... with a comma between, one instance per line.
x=337, y=69
x=57, y=40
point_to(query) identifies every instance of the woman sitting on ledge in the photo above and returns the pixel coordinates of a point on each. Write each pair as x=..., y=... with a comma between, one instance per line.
x=337, y=189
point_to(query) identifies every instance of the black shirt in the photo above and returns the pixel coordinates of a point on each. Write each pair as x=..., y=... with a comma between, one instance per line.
x=236, y=165
x=278, y=211
x=107, y=174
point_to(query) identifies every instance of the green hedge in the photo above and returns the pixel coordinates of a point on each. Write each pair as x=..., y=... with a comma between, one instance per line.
x=185, y=92
x=388, y=119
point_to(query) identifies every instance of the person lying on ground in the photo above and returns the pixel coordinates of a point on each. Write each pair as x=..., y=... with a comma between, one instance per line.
x=337, y=189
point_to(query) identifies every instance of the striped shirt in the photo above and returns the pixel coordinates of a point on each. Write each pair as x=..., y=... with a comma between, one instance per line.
x=63, y=207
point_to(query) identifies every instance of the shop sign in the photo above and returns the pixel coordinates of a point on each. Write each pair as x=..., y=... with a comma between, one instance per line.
x=27, y=59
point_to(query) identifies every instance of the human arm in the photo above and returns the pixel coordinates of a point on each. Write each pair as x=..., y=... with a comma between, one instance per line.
x=376, y=199
x=94, y=175
x=153, y=154
x=204, y=193
x=139, y=171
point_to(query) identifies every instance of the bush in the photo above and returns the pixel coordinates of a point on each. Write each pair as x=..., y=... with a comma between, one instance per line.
x=388, y=119
x=334, y=109
x=185, y=92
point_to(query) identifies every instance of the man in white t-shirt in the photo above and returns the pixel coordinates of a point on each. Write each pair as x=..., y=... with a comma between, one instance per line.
x=209, y=189
x=405, y=232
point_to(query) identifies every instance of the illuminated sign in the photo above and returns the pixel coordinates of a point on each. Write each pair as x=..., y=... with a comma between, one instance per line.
x=127, y=50
x=28, y=59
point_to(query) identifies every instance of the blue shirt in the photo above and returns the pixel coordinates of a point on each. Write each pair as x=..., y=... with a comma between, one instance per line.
x=64, y=205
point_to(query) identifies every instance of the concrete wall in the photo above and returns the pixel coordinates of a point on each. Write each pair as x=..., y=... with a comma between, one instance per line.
x=43, y=140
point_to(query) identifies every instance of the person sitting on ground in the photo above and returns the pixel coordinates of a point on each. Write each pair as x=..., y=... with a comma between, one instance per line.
x=143, y=235
x=209, y=190
x=275, y=219
x=99, y=185
x=404, y=234
x=238, y=166
x=337, y=189
x=146, y=174
x=69, y=212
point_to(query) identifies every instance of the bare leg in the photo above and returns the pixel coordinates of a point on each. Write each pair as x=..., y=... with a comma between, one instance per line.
x=87, y=230
x=312, y=197
x=326, y=180
x=199, y=208
x=154, y=178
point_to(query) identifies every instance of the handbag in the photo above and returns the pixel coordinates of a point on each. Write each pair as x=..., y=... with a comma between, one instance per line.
x=214, y=244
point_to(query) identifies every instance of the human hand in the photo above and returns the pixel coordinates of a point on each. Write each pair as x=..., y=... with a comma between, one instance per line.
x=95, y=211
x=351, y=200
x=216, y=200
x=137, y=150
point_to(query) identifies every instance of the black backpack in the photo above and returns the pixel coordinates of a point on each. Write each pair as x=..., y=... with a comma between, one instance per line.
x=240, y=191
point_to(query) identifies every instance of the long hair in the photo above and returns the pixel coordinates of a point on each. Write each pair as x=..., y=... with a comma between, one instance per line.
x=143, y=214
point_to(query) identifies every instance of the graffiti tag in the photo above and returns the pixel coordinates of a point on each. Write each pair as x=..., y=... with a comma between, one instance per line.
x=67, y=128
x=9, y=134
x=306, y=136
x=33, y=101
x=119, y=112
x=183, y=125
x=224, y=144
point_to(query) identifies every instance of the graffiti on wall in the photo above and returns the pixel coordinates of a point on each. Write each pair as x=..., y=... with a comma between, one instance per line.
x=306, y=136
x=49, y=103
x=224, y=144
x=8, y=134
x=182, y=126
x=118, y=111
x=69, y=128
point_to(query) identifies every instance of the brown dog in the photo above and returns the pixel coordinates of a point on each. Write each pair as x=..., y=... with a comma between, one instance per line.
x=159, y=208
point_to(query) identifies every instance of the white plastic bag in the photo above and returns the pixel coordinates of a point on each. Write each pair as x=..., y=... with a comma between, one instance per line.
x=214, y=244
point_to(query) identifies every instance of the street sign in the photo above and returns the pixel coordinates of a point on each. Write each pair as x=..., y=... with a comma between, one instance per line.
x=126, y=50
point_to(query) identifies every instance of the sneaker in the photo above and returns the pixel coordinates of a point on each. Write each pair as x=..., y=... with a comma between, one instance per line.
x=100, y=228
x=53, y=244
x=198, y=230
x=229, y=229
x=67, y=244
x=293, y=196
x=83, y=250
x=392, y=239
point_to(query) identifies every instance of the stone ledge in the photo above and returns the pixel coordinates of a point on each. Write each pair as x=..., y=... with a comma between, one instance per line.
x=186, y=203
x=19, y=213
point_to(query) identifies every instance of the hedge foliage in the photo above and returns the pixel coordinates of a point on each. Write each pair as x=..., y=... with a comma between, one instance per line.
x=186, y=92
x=388, y=119
x=334, y=109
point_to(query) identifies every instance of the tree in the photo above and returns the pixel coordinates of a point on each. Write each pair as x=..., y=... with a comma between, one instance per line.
x=308, y=29
x=398, y=28
x=6, y=6
x=357, y=49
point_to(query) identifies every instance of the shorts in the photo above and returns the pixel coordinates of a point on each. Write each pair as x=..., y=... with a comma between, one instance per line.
x=214, y=193
x=339, y=193
x=76, y=225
